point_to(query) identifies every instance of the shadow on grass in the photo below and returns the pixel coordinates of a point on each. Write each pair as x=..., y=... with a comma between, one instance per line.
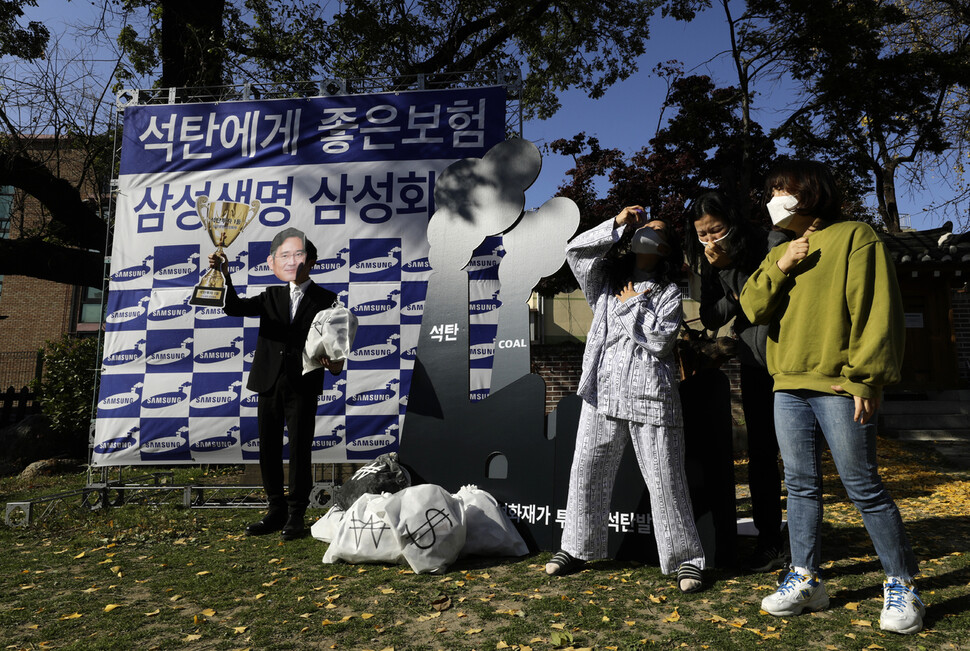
x=956, y=606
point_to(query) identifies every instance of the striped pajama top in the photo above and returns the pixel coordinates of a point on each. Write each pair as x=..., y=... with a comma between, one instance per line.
x=628, y=365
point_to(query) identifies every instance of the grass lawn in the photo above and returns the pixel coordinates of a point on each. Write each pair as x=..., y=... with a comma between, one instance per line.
x=166, y=577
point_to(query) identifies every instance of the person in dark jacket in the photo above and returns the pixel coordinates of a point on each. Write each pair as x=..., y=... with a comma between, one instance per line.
x=285, y=314
x=724, y=250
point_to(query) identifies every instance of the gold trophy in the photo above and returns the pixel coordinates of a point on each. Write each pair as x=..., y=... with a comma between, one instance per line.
x=224, y=220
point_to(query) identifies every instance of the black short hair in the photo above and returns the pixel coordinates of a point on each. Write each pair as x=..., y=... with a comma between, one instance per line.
x=811, y=182
x=286, y=234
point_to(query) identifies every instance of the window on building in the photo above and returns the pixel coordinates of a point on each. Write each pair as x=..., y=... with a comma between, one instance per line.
x=6, y=204
x=90, y=314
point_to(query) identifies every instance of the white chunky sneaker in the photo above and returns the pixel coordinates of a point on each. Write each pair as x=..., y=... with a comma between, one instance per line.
x=801, y=590
x=902, y=609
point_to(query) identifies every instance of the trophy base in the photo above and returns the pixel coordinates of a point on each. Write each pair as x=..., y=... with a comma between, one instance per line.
x=209, y=296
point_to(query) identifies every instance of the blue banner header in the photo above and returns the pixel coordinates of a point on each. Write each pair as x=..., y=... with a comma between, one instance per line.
x=414, y=125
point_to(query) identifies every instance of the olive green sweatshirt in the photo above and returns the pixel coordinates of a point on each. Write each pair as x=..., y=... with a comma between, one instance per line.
x=836, y=318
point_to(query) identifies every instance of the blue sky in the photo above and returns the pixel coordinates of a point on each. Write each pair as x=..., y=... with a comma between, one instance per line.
x=626, y=117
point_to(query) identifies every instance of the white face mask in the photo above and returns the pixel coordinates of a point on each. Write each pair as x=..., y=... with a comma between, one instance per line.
x=718, y=240
x=782, y=209
x=647, y=241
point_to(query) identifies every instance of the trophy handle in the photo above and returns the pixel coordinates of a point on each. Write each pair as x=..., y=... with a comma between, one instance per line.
x=200, y=207
x=253, y=210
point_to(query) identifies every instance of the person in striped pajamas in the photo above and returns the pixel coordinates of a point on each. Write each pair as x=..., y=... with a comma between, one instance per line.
x=629, y=390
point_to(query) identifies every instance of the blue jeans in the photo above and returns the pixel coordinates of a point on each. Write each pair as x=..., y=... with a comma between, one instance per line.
x=802, y=418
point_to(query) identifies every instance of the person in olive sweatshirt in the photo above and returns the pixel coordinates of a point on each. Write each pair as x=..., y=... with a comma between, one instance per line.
x=834, y=312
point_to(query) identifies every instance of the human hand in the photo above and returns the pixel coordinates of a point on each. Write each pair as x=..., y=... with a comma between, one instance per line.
x=797, y=251
x=627, y=292
x=334, y=366
x=865, y=408
x=717, y=256
x=219, y=261
x=635, y=215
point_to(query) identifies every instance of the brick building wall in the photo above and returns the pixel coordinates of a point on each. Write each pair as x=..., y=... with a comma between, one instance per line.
x=960, y=302
x=36, y=311
x=560, y=366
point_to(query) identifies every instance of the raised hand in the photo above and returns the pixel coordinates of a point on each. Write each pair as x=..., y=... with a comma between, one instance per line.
x=635, y=215
x=717, y=256
x=797, y=250
x=219, y=261
x=627, y=292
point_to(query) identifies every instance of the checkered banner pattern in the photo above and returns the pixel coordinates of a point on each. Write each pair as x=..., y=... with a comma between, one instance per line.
x=355, y=173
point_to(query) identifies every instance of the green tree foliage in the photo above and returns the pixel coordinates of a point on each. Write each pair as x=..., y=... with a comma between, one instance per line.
x=25, y=41
x=558, y=44
x=65, y=390
x=876, y=93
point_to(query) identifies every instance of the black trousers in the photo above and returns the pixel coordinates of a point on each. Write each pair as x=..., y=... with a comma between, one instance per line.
x=298, y=410
x=764, y=480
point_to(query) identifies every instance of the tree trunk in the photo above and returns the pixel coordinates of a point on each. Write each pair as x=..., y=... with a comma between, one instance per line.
x=888, y=199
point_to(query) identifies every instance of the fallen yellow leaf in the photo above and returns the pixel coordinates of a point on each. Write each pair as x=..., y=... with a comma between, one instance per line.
x=72, y=616
x=192, y=637
x=202, y=573
x=208, y=612
x=81, y=555
x=674, y=616
x=852, y=605
x=111, y=607
x=862, y=622
x=239, y=629
x=366, y=615
x=473, y=631
x=153, y=613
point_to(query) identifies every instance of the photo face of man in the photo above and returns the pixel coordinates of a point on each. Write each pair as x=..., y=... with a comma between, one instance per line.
x=289, y=261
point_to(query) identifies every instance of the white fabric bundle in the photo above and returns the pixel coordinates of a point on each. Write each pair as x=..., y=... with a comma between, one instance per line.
x=332, y=335
x=363, y=536
x=490, y=532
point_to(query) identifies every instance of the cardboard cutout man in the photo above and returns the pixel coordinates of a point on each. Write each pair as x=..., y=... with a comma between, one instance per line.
x=285, y=314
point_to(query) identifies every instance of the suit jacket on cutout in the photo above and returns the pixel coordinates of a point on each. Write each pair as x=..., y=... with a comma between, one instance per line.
x=279, y=347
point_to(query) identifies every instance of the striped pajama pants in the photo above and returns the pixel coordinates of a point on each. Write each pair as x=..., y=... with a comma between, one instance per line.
x=660, y=454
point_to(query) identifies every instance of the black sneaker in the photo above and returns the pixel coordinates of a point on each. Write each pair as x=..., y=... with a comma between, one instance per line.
x=767, y=558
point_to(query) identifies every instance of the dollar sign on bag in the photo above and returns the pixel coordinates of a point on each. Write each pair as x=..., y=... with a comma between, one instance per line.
x=433, y=517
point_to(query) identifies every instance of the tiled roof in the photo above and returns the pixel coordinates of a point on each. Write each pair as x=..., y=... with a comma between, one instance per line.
x=933, y=245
